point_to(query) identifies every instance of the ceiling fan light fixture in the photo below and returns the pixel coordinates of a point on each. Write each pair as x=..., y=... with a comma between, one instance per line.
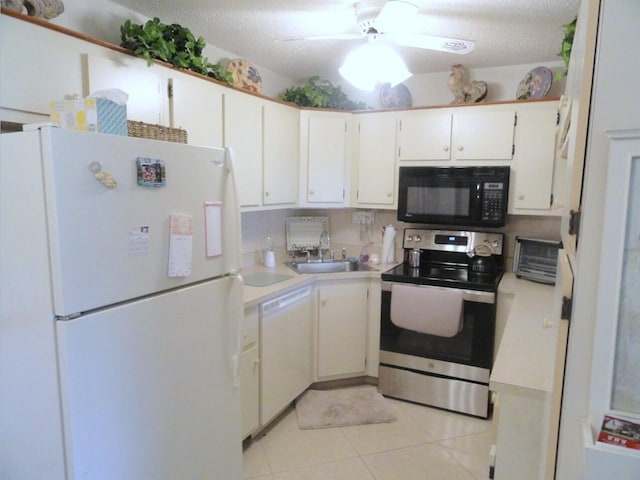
x=374, y=63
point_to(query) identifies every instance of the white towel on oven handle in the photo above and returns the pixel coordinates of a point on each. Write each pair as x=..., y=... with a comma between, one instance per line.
x=426, y=309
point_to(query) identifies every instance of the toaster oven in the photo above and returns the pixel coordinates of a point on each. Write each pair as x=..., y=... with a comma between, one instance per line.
x=536, y=259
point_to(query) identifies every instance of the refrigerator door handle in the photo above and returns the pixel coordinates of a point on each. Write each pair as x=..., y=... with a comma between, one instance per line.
x=230, y=166
x=237, y=290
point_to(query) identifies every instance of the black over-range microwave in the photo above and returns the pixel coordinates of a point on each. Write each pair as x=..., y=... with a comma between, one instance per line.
x=465, y=196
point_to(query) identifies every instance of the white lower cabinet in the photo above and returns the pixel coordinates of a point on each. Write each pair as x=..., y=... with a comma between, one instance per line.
x=342, y=328
x=285, y=349
x=250, y=372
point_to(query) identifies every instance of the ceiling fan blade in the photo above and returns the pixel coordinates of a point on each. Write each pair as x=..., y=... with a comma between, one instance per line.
x=443, y=44
x=337, y=36
x=396, y=15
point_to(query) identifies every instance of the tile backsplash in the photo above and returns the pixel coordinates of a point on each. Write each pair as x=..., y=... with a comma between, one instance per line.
x=257, y=226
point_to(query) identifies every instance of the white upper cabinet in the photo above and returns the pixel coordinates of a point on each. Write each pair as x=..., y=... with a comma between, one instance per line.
x=483, y=133
x=281, y=154
x=243, y=133
x=325, y=154
x=479, y=133
x=39, y=66
x=146, y=86
x=532, y=170
x=374, y=154
x=196, y=107
x=424, y=135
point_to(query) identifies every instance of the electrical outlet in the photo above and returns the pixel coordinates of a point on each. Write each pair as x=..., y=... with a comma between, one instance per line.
x=362, y=217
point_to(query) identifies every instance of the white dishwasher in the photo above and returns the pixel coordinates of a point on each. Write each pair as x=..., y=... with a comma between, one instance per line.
x=285, y=348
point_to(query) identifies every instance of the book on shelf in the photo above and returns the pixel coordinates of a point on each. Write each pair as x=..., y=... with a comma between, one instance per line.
x=620, y=431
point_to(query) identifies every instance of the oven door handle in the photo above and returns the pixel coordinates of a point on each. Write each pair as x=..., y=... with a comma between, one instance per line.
x=467, y=295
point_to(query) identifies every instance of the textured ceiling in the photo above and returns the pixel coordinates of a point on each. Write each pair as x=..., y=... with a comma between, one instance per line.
x=506, y=32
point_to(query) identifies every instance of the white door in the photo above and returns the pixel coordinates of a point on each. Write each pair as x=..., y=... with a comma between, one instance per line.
x=327, y=158
x=99, y=254
x=281, y=154
x=376, y=160
x=482, y=135
x=243, y=133
x=342, y=328
x=145, y=85
x=147, y=387
x=425, y=135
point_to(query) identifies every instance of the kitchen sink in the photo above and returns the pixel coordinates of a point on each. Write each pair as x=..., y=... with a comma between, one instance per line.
x=329, y=267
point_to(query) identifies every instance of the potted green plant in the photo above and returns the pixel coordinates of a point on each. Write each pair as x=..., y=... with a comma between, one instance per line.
x=320, y=93
x=172, y=44
x=567, y=44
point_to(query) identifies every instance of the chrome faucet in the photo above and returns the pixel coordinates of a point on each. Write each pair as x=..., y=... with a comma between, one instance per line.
x=344, y=254
x=323, y=244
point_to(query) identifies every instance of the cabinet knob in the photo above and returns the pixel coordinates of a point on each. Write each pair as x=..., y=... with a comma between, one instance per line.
x=520, y=197
x=389, y=194
x=311, y=192
x=446, y=148
x=460, y=148
x=323, y=301
x=266, y=194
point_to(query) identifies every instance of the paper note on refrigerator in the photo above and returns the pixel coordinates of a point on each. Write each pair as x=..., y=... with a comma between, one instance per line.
x=213, y=228
x=180, y=245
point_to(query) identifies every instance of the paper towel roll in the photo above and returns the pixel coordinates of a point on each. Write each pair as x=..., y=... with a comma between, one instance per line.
x=388, y=244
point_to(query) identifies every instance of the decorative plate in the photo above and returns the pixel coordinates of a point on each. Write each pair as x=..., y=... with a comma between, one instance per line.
x=245, y=75
x=396, y=97
x=536, y=84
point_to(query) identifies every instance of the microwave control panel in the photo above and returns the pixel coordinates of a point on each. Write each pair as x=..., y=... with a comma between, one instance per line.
x=493, y=201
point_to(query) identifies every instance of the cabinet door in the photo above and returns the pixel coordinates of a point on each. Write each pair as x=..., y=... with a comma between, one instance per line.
x=281, y=154
x=326, y=158
x=533, y=162
x=243, y=133
x=482, y=135
x=250, y=373
x=39, y=66
x=424, y=136
x=196, y=107
x=376, y=146
x=145, y=85
x=342, y=328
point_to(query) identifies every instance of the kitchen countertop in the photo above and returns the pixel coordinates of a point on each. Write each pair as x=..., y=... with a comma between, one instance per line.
x=255, y=295
x=526, y=355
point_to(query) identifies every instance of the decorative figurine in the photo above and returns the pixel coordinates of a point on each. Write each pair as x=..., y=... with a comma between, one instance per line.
x=36, y=8
x=463, y=90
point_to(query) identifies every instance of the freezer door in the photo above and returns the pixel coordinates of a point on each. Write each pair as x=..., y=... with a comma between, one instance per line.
x=147, y=387
x=108, y=245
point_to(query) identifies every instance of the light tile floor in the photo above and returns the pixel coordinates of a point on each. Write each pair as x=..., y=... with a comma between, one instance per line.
x=423, y=444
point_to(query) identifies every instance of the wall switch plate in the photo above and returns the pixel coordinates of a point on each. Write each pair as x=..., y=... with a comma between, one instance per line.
x=361, y=217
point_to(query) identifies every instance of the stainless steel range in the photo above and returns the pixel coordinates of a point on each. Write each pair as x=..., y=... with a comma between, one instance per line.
x=438, y=319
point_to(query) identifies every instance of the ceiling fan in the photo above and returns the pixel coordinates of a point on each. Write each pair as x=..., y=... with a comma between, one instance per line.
x=388, y=24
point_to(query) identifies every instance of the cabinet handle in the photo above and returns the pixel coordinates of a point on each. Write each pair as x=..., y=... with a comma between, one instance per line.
x=446, y=148
x=460, y=148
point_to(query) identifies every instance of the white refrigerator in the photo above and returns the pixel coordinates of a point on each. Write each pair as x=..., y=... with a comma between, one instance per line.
x=143, y=254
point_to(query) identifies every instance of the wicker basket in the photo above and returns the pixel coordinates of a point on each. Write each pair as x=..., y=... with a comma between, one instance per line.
x=156, y=132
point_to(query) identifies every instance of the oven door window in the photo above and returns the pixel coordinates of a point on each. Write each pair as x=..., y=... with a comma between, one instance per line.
x=473, y=345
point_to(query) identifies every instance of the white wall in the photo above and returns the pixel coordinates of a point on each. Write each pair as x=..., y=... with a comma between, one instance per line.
x=102, y=19
x=432, y=89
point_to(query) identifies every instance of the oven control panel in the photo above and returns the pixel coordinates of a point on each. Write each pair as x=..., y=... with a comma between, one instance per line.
x=451, y=240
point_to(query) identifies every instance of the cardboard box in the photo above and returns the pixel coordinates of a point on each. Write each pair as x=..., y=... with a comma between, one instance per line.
x=91, y=115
